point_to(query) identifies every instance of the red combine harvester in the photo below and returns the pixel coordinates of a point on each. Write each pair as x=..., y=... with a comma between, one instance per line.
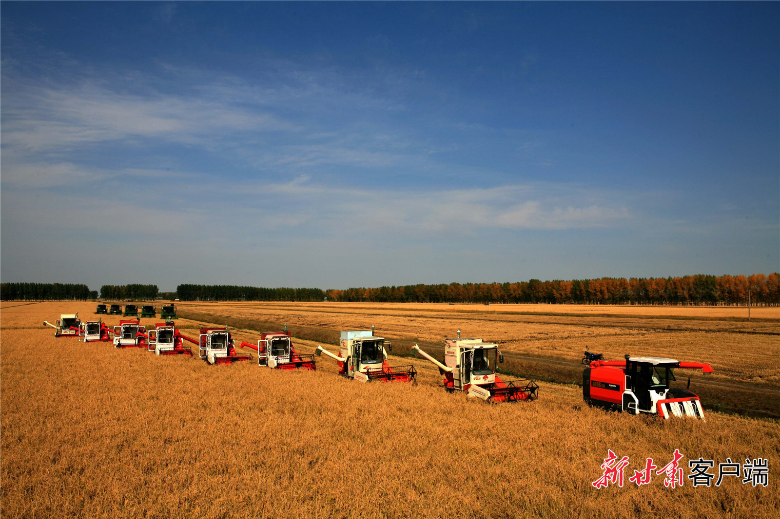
x=165, y=339
x=95, y=331
x=68, y=325
x=641, y=385
x=275, y=350
x=216, y=347
x=363, y=357
x=470, y=366
x=129, y=334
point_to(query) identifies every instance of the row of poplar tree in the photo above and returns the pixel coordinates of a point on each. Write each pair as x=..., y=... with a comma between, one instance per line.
x=698, y=289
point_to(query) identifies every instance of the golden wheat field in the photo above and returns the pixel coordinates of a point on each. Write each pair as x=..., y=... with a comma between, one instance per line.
x=93, y=431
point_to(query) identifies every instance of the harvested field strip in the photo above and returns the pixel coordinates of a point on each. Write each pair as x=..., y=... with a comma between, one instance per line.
x=768, y=326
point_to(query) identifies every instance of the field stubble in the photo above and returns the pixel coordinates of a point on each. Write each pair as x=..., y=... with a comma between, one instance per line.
x=88, y=430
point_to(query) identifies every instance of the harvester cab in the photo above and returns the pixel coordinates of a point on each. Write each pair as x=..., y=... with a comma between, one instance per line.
x=363, y=357
x=68, y=325
x=148, y=311
x=115, y=310
x=130, y=311
x=642, y=385
x=101, y=309
x=168, y=312
x=216, y=346
x=470, y=366
x=94, y=331
x=165, y=339
x=129, y=334
x=275, y=350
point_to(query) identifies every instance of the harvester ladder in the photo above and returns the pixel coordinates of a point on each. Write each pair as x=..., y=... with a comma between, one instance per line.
x=202, y=345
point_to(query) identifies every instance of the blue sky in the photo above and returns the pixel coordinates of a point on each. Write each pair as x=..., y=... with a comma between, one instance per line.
x=367, y=144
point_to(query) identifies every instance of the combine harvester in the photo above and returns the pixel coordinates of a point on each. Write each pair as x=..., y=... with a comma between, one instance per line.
x=148, y=311
x=363, y=357
x=101, y=309
x=641, y=385
x=165, y=339
x=130, y=311
x=68, y=325
x=95, y=331
x=168, y=312
x=129, y=334
x=470, y=366
x=115, y=310
x=216, y=347
x=275, y=350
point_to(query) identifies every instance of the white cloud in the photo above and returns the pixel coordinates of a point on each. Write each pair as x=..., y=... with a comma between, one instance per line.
x=48, y=119
x=340, y=210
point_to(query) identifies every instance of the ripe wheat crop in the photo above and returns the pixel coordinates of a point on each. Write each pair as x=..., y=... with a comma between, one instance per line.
x=93, y=431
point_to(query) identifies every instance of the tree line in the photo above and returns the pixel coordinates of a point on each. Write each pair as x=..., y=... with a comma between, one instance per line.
x=239, y=293
x=44, y=291
x=698, y=289
x=134, y=291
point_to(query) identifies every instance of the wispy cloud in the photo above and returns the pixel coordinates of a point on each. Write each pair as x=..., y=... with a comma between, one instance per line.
x=432, y=211
x=47, y=119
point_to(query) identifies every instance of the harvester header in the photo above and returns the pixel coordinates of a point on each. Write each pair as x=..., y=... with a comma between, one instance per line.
x=362, y=356
x=470, y=366
x=642, y=385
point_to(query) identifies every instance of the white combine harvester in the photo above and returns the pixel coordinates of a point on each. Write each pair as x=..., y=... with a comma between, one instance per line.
x=94, y=331
x=165, y=339
x=275, y=350
x=363, y=357
x=129, y=334
x=68, y=325
x=216, y=346
x=470, y=366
